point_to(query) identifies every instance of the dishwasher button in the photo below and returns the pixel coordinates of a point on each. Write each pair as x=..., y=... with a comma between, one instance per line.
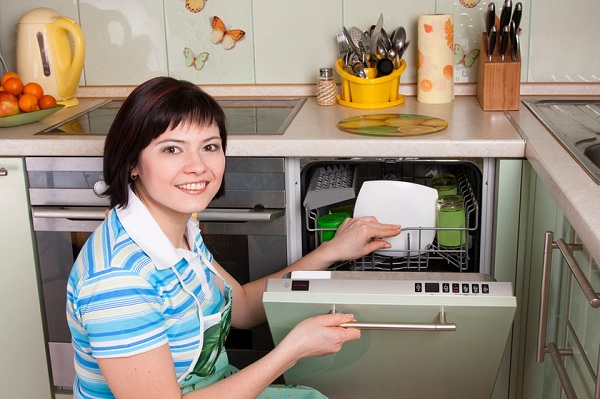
x=300, y=285
x=485, y=288
x=446, y=288
x=455, y=288
x=465, y=288
x=418, y=287
x=475, y=288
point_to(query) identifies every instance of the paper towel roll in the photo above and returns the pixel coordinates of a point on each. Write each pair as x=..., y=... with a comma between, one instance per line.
x=435, y=73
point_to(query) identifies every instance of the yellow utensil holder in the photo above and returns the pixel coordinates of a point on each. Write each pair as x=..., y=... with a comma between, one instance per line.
x=370, y=93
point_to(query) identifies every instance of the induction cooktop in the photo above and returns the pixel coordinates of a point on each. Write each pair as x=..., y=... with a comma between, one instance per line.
x=245, y=116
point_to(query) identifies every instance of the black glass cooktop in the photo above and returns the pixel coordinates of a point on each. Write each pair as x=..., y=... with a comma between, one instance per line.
x=245, y=116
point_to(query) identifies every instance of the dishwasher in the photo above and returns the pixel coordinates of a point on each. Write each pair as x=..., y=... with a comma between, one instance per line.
x=434, y=322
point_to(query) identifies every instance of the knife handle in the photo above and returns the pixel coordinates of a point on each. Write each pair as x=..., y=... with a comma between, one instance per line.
x=490, y=18
x=504, y=41
x=517, y=14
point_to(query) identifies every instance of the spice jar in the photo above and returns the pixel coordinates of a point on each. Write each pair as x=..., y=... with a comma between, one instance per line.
x=445, y=184
x=326, y=87
x=451, y=215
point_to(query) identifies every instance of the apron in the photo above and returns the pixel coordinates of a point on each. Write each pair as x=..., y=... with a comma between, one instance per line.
x=213, y=364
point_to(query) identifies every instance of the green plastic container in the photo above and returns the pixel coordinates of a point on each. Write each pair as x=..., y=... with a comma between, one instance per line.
x=330, y=221
x=445, y=184
x=451, y=214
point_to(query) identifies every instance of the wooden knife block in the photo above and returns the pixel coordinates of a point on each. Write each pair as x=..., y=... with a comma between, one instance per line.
x=498, y=82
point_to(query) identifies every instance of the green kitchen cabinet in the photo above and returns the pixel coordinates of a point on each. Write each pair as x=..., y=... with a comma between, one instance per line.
x=23, y=361
x=572, y=324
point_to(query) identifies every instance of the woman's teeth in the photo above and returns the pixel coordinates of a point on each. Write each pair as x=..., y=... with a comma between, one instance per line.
x=192, y=186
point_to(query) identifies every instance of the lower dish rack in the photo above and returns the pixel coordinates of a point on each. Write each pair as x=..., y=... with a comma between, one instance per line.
x=435, y=257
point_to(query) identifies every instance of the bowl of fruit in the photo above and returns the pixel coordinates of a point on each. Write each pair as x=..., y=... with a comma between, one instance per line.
x=23, y=103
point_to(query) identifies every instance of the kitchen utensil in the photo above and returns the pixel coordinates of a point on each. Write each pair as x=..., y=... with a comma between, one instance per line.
x=353, y=46
x=410, y=205
x=517, y=14
x=505, y=14
x=504, y=41
x=403, y=49
x=514, y=41
x=385, y=66
x=50, y=51
x=375, y=33
x=490, y=19
x=392, y=125
x=385, y=40
x=491, y=43
x=357, y=37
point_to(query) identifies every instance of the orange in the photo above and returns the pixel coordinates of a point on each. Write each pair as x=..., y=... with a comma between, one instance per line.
x=14, y=86
x=47, y=101
x=7, y=76
x=28, y=103
x=33, y=88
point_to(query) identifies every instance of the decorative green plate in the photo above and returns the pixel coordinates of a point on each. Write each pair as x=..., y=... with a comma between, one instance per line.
x=392, y=124
x=28, y=117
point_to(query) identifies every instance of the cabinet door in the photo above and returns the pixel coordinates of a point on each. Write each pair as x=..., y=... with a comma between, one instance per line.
x=572, y=324
x=23, y=361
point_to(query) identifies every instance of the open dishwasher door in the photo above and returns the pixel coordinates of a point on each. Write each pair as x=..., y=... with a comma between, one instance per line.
x=424, y=335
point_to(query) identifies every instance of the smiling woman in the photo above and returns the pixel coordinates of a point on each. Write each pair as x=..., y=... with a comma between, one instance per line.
x=148, y=306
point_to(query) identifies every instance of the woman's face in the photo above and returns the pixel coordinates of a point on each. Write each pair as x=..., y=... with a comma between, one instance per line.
x=180, y=171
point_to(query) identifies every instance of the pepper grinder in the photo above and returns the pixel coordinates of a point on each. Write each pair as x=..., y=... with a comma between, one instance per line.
x=326, y=87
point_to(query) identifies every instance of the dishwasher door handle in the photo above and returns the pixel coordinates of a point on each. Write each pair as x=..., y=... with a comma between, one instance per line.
x=441, y=325
x=208, y=215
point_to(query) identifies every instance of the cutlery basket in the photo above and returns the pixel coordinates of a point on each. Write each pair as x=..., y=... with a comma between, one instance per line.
x=370, y=93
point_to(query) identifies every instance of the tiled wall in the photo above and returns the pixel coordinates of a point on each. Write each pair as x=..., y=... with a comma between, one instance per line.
x=129, y=41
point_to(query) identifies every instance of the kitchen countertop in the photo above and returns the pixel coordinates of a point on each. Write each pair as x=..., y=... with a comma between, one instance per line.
x=313, y=132
x=471, y=133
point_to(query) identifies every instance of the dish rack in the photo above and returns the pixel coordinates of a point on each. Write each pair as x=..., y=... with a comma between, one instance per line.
x=341, y=188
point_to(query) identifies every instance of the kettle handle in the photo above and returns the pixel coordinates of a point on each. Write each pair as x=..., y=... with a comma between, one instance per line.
x=69, y=62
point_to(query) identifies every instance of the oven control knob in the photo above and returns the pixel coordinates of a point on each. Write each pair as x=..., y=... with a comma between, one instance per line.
x=100, y=188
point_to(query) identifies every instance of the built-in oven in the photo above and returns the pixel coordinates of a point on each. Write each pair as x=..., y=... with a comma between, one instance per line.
x=245, y=229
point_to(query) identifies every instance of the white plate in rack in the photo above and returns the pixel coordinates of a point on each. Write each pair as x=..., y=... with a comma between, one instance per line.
x=407, y=204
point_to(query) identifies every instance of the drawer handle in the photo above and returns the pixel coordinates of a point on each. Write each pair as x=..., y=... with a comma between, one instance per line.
x=556, y=354
x=3, y=172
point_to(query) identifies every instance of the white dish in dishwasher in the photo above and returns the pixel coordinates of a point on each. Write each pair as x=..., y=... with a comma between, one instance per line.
x=413, y=206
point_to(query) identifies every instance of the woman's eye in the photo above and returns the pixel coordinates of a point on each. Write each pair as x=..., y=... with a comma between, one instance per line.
x=211, y=147
x=171, y=150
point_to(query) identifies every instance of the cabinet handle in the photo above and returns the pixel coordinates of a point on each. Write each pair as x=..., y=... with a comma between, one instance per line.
x=3, y=172
x=590, y=294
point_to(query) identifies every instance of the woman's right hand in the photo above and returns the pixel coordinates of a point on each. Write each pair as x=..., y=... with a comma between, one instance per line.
x=320, y=335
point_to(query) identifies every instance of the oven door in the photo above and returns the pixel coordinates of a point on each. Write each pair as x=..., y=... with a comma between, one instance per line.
x=248, y=243
x=419, y=338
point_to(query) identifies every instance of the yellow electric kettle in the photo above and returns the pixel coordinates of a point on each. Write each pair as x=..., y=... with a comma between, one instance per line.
x=50, y=51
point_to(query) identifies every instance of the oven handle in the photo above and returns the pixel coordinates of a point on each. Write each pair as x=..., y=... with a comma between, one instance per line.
x=208, y=215
x=441, y=325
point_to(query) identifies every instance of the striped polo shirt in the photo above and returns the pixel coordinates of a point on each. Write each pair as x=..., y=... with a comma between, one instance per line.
x=131, y=291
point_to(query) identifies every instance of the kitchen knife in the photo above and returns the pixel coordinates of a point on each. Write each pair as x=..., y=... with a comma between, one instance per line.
x=514, y=41
x=490, y=18
x=504, y=41
x=516, y=17
x=505, y=15
x=491, y=42
x=375, y=38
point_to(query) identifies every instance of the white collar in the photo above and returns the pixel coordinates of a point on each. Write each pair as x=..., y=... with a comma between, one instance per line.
x=147, y=234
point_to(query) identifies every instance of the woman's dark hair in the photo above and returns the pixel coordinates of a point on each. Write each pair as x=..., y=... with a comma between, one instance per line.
x=152, y=108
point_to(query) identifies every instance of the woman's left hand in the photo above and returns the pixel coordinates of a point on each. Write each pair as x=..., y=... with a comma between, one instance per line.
x=358, y=237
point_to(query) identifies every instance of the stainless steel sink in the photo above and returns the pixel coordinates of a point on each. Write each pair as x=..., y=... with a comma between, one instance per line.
x=575, y=123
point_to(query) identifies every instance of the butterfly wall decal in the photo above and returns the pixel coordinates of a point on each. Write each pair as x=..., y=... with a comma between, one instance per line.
x=196, y=61
x=194, y=5
x=468, y=59
x=220, y=33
